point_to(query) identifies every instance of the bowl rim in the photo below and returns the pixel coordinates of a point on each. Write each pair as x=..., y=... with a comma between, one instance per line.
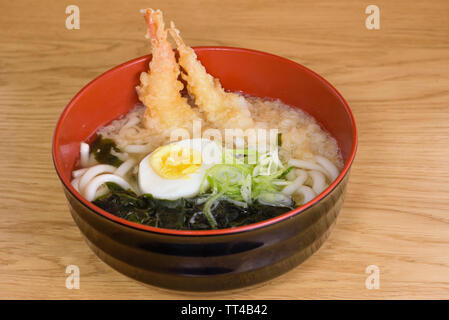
x=214, y=232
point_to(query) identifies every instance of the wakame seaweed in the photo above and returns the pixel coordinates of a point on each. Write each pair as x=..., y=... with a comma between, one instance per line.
x=102, y=149
x=181, y=214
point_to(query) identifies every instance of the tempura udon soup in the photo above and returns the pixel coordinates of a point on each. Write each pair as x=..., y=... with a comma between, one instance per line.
x=193, y=156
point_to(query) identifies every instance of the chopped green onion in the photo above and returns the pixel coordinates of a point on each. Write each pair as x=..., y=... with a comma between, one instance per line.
x=208, y=212
x=241, y=183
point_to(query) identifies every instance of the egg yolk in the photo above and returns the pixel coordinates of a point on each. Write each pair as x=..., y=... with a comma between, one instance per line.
x=174, y=162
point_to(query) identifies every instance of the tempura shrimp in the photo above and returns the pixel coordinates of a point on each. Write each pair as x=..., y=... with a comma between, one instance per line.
x=159, y=88
x=221, y=108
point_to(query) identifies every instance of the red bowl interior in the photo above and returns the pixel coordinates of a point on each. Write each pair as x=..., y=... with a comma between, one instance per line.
x=252, y=72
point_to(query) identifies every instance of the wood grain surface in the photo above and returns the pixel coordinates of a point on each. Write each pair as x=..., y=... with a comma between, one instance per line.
x=396, y=80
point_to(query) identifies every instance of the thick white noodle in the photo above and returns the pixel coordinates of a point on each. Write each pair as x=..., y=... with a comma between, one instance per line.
x=307, y=193
x=318, y=181
x=329, y=166
x=75, y=183
x=301, y=177
x=268, y=198
x=281, y=183
x=84, y=154
x=302, y=164
x=101, y=191
x=93, y=172
x=79, y=172
x=291, y=175
x=95, y=183
x=131, y=122
x=137, y=148
x=92, y=161
x=125, y=167
x=121, y=156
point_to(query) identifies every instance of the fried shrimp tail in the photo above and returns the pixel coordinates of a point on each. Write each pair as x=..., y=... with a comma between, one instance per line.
x=221, y=108
x=159, y=88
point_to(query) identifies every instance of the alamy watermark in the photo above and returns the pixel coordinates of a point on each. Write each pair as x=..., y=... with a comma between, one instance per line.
x=248, y=143
x=372, y=22
x=73, y=20
x=73, y=279
x=373, y=280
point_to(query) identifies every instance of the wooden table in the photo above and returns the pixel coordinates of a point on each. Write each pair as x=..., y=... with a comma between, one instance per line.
x=396, y=80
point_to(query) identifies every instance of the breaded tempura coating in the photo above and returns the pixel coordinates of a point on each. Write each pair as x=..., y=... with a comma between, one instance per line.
x=223, y=109
x=159, y=88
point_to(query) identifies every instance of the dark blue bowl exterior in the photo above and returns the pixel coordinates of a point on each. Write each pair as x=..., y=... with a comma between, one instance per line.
x=213, y=262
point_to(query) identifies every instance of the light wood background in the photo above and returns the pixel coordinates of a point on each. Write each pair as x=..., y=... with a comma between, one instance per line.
x=396, y=80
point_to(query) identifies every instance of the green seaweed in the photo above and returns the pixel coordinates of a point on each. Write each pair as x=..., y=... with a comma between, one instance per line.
x=181, y=214
x=102, y=148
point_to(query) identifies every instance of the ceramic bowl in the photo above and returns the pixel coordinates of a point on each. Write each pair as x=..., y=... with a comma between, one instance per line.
x=212, y=259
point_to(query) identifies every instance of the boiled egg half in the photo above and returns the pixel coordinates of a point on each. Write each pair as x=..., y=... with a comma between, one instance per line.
x=177, y=170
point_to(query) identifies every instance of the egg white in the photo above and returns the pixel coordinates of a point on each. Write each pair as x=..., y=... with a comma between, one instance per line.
x=185, y=187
